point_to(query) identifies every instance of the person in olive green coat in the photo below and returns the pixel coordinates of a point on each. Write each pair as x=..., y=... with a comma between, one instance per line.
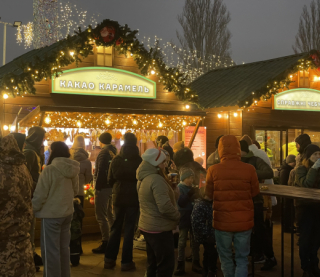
x=308, y=211
x=158, y=213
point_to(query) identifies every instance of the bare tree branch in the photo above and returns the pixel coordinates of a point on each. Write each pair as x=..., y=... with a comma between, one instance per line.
x=205, y=32
x=308, y=36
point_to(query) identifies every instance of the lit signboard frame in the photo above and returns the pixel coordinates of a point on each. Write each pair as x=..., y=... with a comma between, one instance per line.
x=136, y=86
x=300, y=99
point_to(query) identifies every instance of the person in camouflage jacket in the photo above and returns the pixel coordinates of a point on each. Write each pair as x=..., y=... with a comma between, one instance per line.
x=16, y=255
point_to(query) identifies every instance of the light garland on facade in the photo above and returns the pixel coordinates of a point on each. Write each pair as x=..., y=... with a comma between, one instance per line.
x=114, y=121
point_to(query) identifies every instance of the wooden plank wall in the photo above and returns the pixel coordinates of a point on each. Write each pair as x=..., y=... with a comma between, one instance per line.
x=228, y=124
x=165, y=101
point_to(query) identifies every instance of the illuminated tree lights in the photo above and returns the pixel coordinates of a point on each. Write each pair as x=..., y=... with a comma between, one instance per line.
x=108, y=33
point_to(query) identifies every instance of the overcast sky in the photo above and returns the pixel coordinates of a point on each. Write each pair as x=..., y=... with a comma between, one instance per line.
x=261, y=29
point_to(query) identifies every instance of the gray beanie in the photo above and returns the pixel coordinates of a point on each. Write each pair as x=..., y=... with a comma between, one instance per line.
x=185, y=173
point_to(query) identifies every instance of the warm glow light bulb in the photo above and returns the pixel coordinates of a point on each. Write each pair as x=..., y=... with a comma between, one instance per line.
x=235, y=114
x=135, y=122
x=79, y=123
x=184, y=123
x=153, y=72
x=219, y=115
x=160, y=124
x=71, y=53
x=107, y=121
x=47, y=120
x=187, y=106
x=5, y=127
x=5, y=96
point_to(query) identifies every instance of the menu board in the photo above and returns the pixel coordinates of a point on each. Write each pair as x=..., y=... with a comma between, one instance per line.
x=199, y=146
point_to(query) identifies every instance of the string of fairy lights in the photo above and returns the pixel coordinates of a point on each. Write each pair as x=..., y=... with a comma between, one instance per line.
x=188, y=62
x=114, y=121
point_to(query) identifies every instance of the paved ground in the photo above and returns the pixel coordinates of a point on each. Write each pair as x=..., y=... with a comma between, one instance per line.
x=91, y=265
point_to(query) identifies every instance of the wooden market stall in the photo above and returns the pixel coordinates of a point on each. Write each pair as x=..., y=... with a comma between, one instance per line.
x=273, y=101
x=99, y=79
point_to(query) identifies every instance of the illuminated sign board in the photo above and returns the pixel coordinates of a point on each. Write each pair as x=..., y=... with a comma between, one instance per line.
x=104, y=81
x=301, y=99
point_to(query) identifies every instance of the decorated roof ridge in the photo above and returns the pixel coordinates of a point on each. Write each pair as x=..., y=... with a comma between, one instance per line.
x=19, y=76
x=252, y=63
x=246, y=84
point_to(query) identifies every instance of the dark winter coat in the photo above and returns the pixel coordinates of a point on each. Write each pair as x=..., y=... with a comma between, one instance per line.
x=285, y=173
x=263, y=170
x=307, y=178
x=85, y=176
x=185, y=206
x=122, y=176
x=102, y=166
x=201, y=220
x=32, y=152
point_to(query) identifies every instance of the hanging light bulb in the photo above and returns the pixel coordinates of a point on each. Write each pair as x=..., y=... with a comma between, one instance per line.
x=108, y=121
x=235, y=114
x=187, y=107
x=5, y=127
x=219, y=115
x=184, y=123
x=71, y=53
x=134, y=121
x=160, y=124
x=5, y=96
x=79, y=123
x=153, y=72
x=47, y=120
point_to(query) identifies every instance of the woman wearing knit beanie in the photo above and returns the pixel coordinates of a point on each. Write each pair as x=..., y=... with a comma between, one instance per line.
x=308, y=212
x=158, y=213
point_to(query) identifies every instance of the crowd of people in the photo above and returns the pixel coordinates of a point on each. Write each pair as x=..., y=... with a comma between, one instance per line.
x=162, y=190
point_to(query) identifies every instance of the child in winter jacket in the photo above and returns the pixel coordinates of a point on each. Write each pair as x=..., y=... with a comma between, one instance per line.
x=188, y=194
x=203, y=233
x=75, y=230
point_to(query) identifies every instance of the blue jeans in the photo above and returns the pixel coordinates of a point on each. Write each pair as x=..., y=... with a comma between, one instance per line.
x=241, y=242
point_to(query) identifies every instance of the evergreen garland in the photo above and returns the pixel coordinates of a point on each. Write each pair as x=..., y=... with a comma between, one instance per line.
x=73, y=48
x=282, y=81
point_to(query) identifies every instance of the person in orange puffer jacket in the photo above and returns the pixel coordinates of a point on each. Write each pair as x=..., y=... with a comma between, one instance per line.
x=232, y=184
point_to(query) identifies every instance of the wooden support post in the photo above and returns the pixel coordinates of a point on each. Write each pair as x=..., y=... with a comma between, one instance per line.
x=16, y=120
x=194, y=133
x=41, y=118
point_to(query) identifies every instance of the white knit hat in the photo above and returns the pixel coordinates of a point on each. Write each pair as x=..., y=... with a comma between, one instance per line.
x=154, y=156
